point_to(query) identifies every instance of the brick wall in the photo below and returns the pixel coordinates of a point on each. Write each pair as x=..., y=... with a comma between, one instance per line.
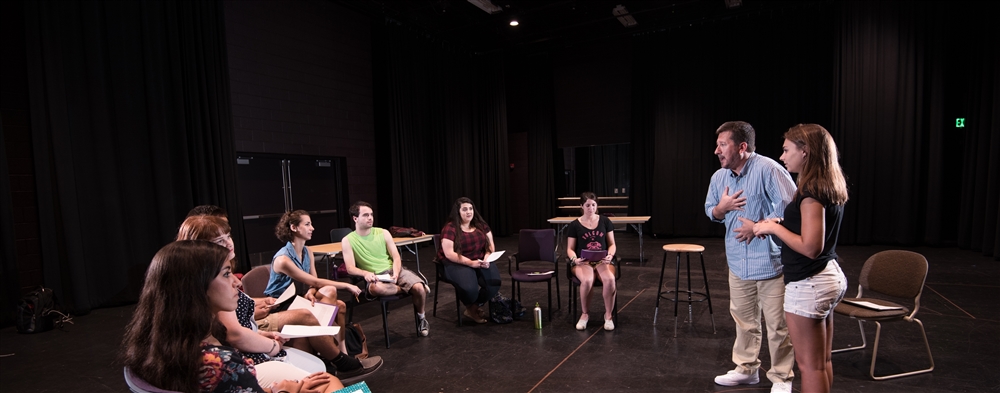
x=301, y=83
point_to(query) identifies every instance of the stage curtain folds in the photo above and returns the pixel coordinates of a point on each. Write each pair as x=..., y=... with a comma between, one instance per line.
x=903, y=74
x=446, y=133
x=131, y=127
x=688, y=81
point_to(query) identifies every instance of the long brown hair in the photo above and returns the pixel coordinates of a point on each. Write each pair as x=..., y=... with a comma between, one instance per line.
x=162, y=341
x=456, y=219
x=820, y=175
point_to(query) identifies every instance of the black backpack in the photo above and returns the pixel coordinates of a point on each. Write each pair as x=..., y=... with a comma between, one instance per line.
x=504, y=309
x=35, y=311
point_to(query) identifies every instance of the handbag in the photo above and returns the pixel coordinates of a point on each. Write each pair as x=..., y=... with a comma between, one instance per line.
x=357, y=343
x=405, y=232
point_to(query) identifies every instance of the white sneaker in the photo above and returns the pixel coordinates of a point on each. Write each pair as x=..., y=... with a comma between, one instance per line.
x=781, y=387
x=609, y=325
x=582, y=323
x=733, y=378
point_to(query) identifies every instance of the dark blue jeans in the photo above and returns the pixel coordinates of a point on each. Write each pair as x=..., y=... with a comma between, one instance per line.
x=474, y=285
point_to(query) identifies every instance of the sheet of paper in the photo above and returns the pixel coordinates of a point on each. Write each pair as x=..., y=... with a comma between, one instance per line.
x=541, y=273
x=871, y=305
x=324, y=313
x=494, y=256
x=384, y=277
x=287, y=294
x=296, y=331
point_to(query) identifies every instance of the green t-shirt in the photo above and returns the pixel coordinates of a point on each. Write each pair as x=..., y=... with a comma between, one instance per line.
x=370, y=253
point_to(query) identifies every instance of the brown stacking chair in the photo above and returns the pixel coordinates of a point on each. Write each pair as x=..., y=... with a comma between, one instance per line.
x=893, y=273
x=255, y=281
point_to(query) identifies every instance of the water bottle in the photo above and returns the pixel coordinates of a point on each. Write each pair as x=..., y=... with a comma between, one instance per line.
x=538, y=316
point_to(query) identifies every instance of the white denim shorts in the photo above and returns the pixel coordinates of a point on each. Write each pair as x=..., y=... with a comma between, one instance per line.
x=816, y=296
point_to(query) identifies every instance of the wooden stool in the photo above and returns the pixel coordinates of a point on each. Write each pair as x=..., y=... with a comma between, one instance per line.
x=687, y=249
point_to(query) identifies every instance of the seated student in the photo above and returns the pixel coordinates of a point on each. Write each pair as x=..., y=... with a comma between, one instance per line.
x=214, y=211
x=171, y=341
x=466, y=241
x=263, y=346
x=266, y=317
x=593, y=232
x=294, y=264
x=369, y=250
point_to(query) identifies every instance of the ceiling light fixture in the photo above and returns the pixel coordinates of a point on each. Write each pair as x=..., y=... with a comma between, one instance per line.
x=623, y=16
x=487, y=6
x=513, y=22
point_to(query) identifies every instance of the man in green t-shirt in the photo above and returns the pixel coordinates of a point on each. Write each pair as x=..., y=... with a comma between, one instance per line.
x=369, y=252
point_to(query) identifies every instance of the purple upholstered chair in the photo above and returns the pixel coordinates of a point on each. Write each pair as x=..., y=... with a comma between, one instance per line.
x=536, y=250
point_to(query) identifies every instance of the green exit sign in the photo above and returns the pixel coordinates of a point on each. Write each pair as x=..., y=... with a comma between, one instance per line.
x=960, y=122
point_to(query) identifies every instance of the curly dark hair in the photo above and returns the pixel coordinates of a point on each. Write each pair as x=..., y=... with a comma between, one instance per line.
x=284, y=228
x=356, y=208
x=162, y=342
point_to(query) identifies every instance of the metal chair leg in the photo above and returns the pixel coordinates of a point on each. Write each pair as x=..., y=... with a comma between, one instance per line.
x=878, y=332
x=385, y=322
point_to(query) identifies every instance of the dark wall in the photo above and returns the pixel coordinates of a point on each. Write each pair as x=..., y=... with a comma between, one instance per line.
x=301, y=82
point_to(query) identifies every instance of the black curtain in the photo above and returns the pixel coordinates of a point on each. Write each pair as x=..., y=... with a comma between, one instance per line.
x=771, y=70
x=445, y=134
x=530, y=108
x=978, y=218
x=131, y=127
x=8, y=265
x=904, y=72
x=608, y=169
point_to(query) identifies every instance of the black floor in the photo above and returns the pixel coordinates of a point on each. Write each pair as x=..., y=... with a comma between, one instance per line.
x=960, y=311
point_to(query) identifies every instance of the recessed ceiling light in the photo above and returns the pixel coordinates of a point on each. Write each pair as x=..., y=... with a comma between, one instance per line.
x=513, y=23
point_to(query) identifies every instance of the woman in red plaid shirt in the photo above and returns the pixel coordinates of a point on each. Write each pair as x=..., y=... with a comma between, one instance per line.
x=466, y=242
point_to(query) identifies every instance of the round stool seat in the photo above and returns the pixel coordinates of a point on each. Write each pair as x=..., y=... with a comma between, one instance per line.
x=683, y=248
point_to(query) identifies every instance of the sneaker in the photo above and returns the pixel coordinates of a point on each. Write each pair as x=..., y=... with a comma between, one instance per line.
x=733, y=378
x=368, y=366
x=582, y=323
x=781, y=387
x=423, y=327
x=478, y=317
x=609, y=325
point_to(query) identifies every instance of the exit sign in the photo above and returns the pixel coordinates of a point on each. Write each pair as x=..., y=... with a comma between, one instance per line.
x=960, y=122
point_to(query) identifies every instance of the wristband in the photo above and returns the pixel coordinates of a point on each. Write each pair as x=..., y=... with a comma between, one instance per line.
x=274, y=343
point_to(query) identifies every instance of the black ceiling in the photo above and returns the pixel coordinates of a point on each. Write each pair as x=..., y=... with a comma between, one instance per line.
x=545, y=24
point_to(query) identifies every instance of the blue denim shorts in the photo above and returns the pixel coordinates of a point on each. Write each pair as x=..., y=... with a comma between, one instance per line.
x=816, y=296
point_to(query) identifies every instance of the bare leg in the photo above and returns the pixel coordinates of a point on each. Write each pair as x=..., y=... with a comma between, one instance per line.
x=419, y=294
x=811, y=344
x=585, y=274
x=328, y=295
x=828, y=352
x=607, y=273
x=326, y=346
